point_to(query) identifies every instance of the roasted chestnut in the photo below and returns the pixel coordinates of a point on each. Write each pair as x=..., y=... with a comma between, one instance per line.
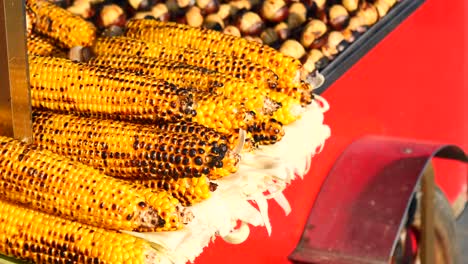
x=335, y=44
x=82, y=8
x=293, y=48
x=313, y=30
x=369, y=13
x=232, y=30
x=142, y=5
x=214, y=21
x=274, y=10
x=350, y=5
x=338, y=17
x=207, y=6
x=193, y=17
x=269, y=36
x=297, y=15
x=283, y=31
x=160, y=12
x=111, y=15
x=250, y=23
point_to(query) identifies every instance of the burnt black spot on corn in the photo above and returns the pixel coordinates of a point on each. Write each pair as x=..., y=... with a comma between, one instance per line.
x=62, y=85
x=38, y=45
x=267, y=131
x=188, y=191
x=51, y=183
x=37, y=237
x=209, y=134
x=127, y=150
x=237, y=67
x=287, y=68
x=61, y=25
x=188, y=76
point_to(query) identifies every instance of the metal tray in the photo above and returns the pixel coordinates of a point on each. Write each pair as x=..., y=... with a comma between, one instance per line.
x=366, y=42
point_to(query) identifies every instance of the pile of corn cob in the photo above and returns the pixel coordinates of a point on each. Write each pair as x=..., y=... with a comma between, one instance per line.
x=159, y=129
x=314, y=31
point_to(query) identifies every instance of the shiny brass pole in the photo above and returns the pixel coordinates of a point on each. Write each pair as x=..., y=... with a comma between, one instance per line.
x=15, y=102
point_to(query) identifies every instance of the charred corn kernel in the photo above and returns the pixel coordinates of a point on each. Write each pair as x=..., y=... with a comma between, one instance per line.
x=62, y=85
x=191, y=77
x=209, y=134
x=167, y=206
x=266, y=131
x=188, y=191
x=290, y=109
x=61, y=25
x=38, y=45
x=127, y=150
x=287, y=68
x=54, y=184
x=38, y=237
x=225, y=168
x=237, y=67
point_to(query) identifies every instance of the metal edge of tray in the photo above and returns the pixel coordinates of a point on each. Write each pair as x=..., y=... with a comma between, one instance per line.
x=366, y=42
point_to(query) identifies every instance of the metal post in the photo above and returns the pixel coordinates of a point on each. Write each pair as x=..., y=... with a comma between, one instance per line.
x=427, y=216
x=15, y=102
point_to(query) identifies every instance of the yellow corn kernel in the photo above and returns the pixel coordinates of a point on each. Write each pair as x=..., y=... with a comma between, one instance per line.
x=290, y=109
x=254, y=73
x=62, y=85
x=188, y=191
x=128, y=150
x=37, y=237
x=67, y=29
x=37, y=45
x=221, y=113
x=54, y=184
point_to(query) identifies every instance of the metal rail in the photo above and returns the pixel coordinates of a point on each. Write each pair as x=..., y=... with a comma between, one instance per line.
x=15, y=102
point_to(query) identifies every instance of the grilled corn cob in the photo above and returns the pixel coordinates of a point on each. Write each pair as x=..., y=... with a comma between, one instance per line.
x=188, y=191
x=191, y=77
x=38, y=45
x=258, y=75
x=61, y=85
x=53, y=184
x=127, y=150
x=59, y=24
x=287, y=68
x=41, y=238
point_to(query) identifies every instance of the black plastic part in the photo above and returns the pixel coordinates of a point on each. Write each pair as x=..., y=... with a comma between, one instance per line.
x=366, y=42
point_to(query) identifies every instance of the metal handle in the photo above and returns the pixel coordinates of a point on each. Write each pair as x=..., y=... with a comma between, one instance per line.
x=15, y=102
